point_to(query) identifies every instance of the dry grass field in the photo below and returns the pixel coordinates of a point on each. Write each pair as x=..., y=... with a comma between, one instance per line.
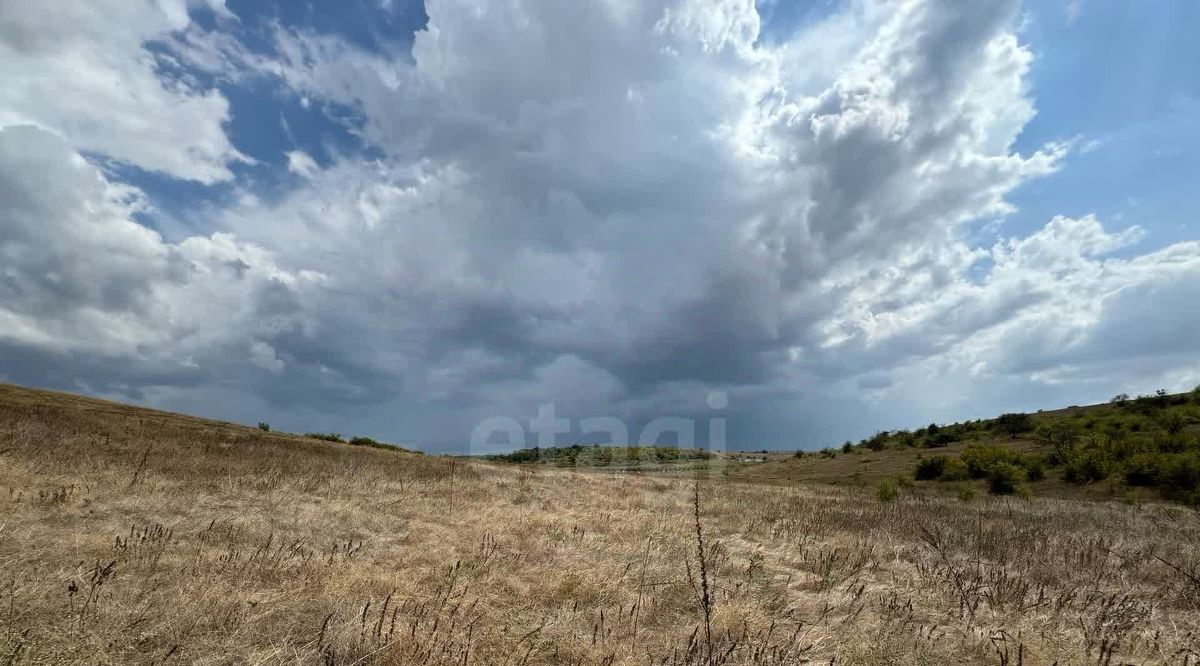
x=136, y=537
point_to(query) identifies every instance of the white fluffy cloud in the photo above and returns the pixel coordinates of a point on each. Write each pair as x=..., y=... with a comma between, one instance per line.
x=82, y=278
x=612, y=206
x=83, y=70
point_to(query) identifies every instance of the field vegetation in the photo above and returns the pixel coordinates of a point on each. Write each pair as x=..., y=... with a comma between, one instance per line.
x=1131, y=448
x=136, y=537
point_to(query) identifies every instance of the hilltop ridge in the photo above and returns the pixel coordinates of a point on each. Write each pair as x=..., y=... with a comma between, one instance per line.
x=1129, y=447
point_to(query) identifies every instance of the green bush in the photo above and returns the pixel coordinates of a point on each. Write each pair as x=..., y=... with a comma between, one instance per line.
x=328, y=437
x=1034, y=469
x=878, y=442
x=955, y=470
x=930, y=468
x=1060, y=435
x=887, y=490
x=1174, y=422
x=264, y=426
x=1181, y=475
x=667, y=453
x=980, y=459
x=1172, y=443
x=1003, y=478
x=940, y=438
x=1143, y=469
x=1014, y=424
x=1086, y=467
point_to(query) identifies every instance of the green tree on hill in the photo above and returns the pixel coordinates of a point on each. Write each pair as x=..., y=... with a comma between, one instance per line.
x=1014, y=424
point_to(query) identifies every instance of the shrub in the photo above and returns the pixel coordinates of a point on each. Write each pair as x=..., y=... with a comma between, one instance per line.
x=1014, y=424
x=1034, y=469
x=1172, y=443
x=878, y=442
x=1060, y=434
x=980, y=459
x=930, y=468
x=1143, y=469
x=264, y=426
x=328, y=437
x=1003, y=478
x=847, y=447
x=887, y=490
x=1182, y=476
x=367, y=441
x=940, y=438
x=955, y=470
x=666, y=453
x=1174, y=423
x=966, y=493
x=1086, y=467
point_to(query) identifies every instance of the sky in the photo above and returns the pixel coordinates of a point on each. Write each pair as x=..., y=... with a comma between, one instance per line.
x=803, y=221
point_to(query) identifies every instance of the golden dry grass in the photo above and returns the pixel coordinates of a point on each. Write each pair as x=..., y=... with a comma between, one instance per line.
x=129, y=536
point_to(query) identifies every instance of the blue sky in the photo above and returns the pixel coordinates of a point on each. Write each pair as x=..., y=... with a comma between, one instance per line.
x=1119, y=75
x=402, y=219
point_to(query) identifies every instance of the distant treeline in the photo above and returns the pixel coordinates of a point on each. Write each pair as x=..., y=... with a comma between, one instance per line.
x=601, y=456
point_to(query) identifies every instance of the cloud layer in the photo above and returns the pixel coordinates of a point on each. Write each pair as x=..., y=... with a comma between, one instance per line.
x=617, y=211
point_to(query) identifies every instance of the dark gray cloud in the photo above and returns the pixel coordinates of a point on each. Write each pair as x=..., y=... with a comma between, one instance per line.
x=617, y=211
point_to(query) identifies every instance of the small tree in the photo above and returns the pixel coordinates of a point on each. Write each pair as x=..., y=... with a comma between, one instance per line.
x=264, y=426
x=930, y=468
x=1119, y=399
x=1014, y=424
x=1003, y=478
x=1062, y=436
x=878, y=442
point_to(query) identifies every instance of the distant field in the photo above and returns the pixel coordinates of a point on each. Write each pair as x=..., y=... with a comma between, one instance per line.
x=136, y=537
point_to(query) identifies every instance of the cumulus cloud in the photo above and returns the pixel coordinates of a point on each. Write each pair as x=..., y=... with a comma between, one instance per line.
x=82, y=278
x=618, y=209
x=84, y=70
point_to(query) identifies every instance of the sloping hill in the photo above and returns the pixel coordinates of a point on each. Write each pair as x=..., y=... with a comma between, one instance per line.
x=1144, y=447
x=129, y=536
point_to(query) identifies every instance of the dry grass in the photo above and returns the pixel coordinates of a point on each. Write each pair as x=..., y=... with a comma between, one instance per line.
x=137, y=537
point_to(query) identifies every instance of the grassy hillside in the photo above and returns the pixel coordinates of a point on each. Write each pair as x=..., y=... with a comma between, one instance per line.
x=1132, y=448
x=136, y=537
